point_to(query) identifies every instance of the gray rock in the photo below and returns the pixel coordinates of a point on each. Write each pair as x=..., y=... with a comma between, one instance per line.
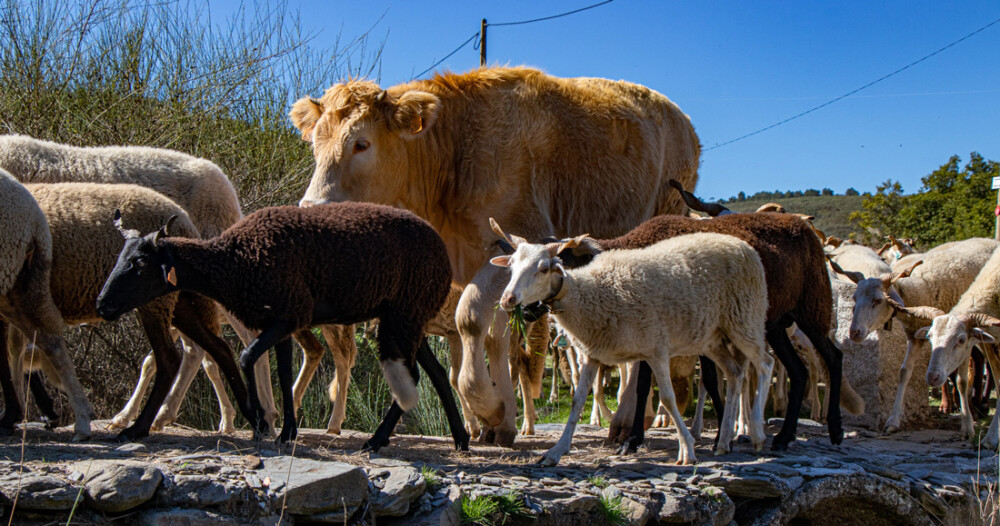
x=637, y=513
x=402, y=486
x=38, y=492
x=132, y=447
x=189, y=517
x=611, y=492
x=753, y=487
x=446, y=515
x=114, y=486
x=314, y=487
x=196, y=490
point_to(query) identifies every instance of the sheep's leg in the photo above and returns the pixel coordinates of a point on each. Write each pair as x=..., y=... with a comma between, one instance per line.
x=44, y=402
x=734, y=386
x=226, y=409
x=530, y=415
x=979, y=403
x=598, y=390
x=834, y=359
x=131, y=409
x=455, y=350
x=661, y=369
x=340, y=339
x=267, y=338
x=780, y=390
x=157, y=331
x=641, y=376
x=698, y=423
x=283, y=355
x=312, y=354
x=905, y=371
x=621, y=428
x=754, y=354
x=992, y=439
x=710, y=379
x=190, y=318
x=554, y=388
x=489, y=391
x=439, y=379
x=12, y=413
x=588, y=370
x=797, y=375
x=743, y=412
x=265, y=389
x=191, y=358
x=962, y=382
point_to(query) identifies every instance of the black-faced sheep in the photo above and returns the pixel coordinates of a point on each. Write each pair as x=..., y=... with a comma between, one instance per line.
x=284, y=269
x=632, y=305
x=798, y=291
x=26, y=302
x=85, y=246
x=197, y=185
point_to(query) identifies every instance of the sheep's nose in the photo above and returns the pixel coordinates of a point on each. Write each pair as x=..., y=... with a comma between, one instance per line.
x=934, y=379
x=507, y=301
x=857, y=335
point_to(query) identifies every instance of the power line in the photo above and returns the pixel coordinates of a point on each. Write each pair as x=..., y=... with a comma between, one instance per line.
x=446, y=57
x=553, y=16
x=463, y=44
x=852, y=92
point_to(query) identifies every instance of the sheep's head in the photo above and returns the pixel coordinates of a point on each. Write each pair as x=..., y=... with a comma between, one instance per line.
x=144, y=271
x=952, y=338
x=872, y=305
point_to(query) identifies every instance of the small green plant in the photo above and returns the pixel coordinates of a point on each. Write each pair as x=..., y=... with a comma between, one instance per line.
x=477, y=511
x=490, y=510
x=598, y=481
x=431, y=476
x=613, y=511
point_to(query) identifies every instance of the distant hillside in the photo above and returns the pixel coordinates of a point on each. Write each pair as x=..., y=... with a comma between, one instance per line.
x=831, y=211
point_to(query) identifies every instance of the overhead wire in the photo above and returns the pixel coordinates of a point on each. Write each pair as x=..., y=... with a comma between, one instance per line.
x=852, y=92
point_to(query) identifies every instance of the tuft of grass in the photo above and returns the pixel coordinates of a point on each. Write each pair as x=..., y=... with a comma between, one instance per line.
x=613, y=511
x=515, y=321
x=598, y=481
x=491, y=510
x=431, y=476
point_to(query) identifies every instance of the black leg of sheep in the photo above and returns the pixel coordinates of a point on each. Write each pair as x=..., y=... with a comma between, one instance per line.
x=12, y=408
x=709, y=378
x=777, y=337
x=46, y=406
x=270, y=337
x=439, y=378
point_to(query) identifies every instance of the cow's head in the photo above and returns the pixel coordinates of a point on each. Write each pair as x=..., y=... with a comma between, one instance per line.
x=358, y=133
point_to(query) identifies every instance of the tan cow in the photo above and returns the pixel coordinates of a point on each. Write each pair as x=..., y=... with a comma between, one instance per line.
x=545, y=156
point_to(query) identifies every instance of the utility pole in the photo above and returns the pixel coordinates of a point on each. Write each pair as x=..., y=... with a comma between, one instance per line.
x=482, y=50
x=996, y=212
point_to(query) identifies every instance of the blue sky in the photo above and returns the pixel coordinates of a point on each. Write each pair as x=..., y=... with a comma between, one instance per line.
x=735, y=67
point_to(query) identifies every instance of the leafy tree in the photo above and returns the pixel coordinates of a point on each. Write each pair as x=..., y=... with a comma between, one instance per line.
x=742, y=196
x=826, y=191
x=954, y=203
x=851, y=191
x=812, y=192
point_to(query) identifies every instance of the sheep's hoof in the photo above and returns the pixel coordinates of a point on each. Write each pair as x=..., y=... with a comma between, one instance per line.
x=80, y=437
x=890, y=429
x=781, y=444
x=742, y=439
x=131, y=435
x=505, y=438
x=287, y=434
x=462, y=444
x=836, y=437
x=117, y=423
x=630, y=446
x=49, y=423
x=374, y=444
x=547, y=462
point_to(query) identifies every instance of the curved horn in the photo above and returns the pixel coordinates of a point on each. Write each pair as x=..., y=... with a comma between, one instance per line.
x=922, y=313
x=834, y=241
x=316, y=101
x=850, y=274
x=884, y=248
x=571, y=243
x=906, y=273
x=164, y=231
x=771, y=207
x=712, y=209
x=980, y=320
x=126, y=233
x=380, y=97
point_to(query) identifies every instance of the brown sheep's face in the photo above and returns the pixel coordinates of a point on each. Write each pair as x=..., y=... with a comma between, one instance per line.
x=359, y=134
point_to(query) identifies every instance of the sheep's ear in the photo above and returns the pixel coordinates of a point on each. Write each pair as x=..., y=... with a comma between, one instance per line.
x=921, y=333
x=413, y=113
x=305, y=113
x=514, y=241
x=851, y=275
x=501, y=261
x=983, y=336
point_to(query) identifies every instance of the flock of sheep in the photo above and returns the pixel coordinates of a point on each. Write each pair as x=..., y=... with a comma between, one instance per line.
x=92, y=233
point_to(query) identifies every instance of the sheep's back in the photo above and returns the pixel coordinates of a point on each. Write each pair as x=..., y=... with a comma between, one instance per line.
x=85, y=242
x=360, y=260
x=946, y=273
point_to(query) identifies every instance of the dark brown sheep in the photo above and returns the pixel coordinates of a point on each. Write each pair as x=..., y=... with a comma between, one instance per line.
x=284, y=269
x=797, y=286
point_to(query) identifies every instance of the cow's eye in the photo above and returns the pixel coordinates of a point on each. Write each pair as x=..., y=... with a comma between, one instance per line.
x=361, y=145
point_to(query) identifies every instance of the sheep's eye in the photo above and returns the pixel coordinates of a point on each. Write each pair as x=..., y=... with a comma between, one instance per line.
x=876, y=302
x=140, y=263
x=361, y=145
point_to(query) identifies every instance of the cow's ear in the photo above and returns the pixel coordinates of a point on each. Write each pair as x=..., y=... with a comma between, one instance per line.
x=414, y=113
x=305, y=113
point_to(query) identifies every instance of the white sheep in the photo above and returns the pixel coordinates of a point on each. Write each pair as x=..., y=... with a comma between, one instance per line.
x=953, y=335
x=681, y=296
x=198, y=186
x=939, y=281
x=26, y=302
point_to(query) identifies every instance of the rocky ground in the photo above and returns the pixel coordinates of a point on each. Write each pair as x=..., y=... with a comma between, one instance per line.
x=189, y=477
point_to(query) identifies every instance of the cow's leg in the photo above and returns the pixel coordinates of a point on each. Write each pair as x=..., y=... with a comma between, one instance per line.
x=530, y=371
x=312, y=355
x=489, y=391
x=340, y=339
x=131, y=409
x=913, y=346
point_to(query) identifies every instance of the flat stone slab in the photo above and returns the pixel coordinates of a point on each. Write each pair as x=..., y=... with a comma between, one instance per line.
x=309, y=487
